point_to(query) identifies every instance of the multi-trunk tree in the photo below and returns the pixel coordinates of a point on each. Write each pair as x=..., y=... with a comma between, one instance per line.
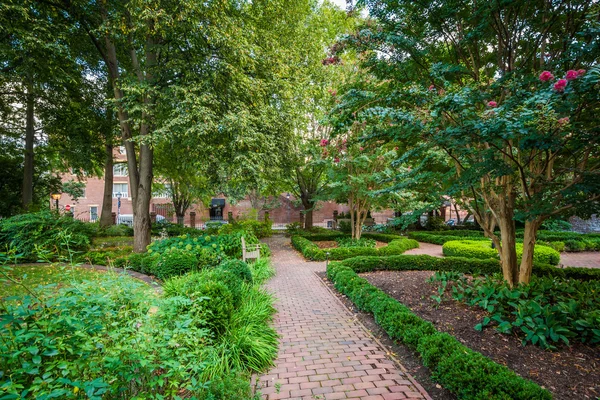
x=507, y=91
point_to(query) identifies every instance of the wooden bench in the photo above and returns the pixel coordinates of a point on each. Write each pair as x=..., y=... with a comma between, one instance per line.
x=250, y=250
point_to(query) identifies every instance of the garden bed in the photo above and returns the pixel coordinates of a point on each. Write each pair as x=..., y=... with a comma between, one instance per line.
x=332, y=244
x=571, y=372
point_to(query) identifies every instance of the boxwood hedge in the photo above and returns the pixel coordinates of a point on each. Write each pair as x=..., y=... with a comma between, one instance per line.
x=466, y=373
x=483, y=250
x=310, y=250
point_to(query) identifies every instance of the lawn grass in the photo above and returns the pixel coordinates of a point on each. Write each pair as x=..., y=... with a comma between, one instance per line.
x=33, y=276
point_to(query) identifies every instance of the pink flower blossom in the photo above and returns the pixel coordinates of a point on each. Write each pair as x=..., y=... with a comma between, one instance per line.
x=432, y=87
x=324, y=142
x=492, y=104
x=560, y=85
x=336, y=160
x=396, y=148
x=546, y=76
x=581, y=72
x=361, y=148
x=571, y=75
x=563, y=121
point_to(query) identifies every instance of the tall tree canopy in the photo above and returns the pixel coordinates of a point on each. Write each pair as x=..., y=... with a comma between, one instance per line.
x=506, y=90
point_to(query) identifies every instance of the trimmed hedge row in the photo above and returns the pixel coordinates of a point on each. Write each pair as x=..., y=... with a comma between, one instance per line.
x=459, y=264
x=466, y=373
x=483, y=250
x=439, y=238
x=311, y=251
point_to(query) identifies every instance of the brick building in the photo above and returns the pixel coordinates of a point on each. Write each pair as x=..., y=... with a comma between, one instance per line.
x=89, y=207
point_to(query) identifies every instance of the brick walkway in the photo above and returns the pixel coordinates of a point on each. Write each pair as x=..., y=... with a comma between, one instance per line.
x=589, y=259
x=324, y=353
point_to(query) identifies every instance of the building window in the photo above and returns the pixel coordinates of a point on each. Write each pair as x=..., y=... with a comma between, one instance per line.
x=121, y=188
x=93, y=213
x=120, y=169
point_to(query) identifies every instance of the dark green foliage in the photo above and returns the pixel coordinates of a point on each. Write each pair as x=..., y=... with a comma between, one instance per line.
x=443, y=237
x=230, y=279
x=313, y=252
x=174, y=262
x=114, y=230
x=239, y=268
x=44, y=235
x=382, y=237
x=464, y=372
x=260, y=229
x=544, y=312
x=105, y=256
x=174, y=229
x=142, y=262
x=210, y=300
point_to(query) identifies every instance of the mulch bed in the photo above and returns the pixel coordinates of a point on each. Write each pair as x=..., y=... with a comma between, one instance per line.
x=572, y=372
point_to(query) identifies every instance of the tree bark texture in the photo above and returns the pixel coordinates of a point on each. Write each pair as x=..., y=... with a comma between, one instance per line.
x=27, y=190
x=106, y=215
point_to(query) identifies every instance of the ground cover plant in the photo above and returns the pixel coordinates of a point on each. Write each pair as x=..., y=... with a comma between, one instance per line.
x=546, y=312
x=483, y=249
x=362, y=242
x=464, y=372
x=310, y=250
x=112, y=337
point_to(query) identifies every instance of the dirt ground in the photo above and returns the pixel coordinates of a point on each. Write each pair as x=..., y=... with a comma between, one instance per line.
x=572, y=372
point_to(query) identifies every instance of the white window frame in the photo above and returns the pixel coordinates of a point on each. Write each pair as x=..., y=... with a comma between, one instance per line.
x=120, y=169
x=124, y=193
x=92, y=219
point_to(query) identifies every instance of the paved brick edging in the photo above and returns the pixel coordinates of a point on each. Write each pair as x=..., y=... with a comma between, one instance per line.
x=324, y=352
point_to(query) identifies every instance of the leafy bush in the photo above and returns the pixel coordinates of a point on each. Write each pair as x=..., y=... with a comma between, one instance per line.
x=446, y=236
x=260, y=229
x=142, y=262
x=545, y=312
x=45, y=235
x=105, y=256
x=464, y=372
x=174, y=229
x=362, y=242
x=174, y=262
x=482, y=250
x=294, y=228
x=436, y=224
x=239, y=268
x=98, y=340
x=557, y=225
x=114, y=230
x=313, y=252
x=344, y=225
x=210, y=300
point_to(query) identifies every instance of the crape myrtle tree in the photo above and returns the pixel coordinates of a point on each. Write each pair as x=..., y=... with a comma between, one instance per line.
x=358, y=173
x=507, y=90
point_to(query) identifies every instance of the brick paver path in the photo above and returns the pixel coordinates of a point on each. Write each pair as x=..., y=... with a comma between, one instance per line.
x=589, y=259
x=324, y=353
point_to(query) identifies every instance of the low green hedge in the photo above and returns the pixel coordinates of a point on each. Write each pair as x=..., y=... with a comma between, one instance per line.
x=442, y=237
x=459, y=264
x=311, y=251
x=464, y=372
x=483, y=250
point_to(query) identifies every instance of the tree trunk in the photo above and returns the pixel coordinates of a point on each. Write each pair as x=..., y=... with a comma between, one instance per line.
x=529, y=238
x=141, y=202
x=180, y=218
x=508, y=250
x=106, y=216
x=308, y=219
x=27, y=193
x=457, y=215
x=308, y=205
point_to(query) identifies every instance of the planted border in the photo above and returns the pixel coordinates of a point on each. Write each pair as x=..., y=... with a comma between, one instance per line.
x=466, y=373
x=483, y=250
x=459, y=264
x=311, y=251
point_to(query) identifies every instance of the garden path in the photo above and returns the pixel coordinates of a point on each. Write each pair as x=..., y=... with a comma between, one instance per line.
x=324, y=352
x=590, y=259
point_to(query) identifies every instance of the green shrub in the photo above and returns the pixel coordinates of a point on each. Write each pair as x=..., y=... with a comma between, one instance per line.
x=239, y=268
x=174, y=229
x=211, y=301
x=114, y=230
x=142, y=262
x=295, y=228
x=557, y=225
x=483, y=250
x=45, y=235
x=313, y=252
x=174, y=262
x=260, y=229
x=362, y=242
x=105, y=256
x=344, y=225
x=98, y=340
x=443, y=237
x=466, y=373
